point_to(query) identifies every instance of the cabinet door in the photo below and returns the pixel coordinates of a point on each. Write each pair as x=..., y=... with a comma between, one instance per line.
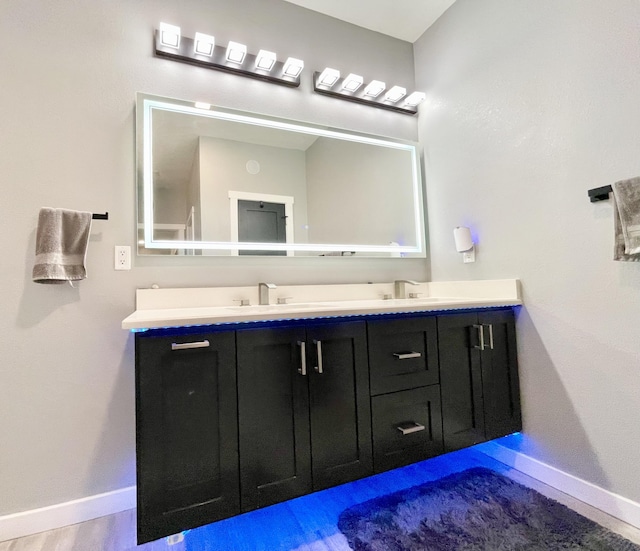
x=403, y=354
x=186, y=432
x=460, y=381
x=273, y=406
x=500, y=384
x=339, y=403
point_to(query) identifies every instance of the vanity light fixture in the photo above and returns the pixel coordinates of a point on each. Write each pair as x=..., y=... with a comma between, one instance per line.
x=236, y=52
x=395, y=94
x=204, y=44
x=265, y=60
x=329, y=83
x=233, y=58
x=169, y=35
x=328, y=77
x=415, y=99
x=374, y=88
x=293, y=67
x=202, y=105
x=352, y=82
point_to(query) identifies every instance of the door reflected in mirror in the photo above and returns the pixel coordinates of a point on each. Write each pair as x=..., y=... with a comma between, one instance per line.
x=261, y=222
x=221, y=182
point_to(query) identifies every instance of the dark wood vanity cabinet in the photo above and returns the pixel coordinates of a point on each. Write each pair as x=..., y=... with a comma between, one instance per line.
x=186, y=431
x=233, y=418
x=478, y=377
x=405, y=402
x=304, y=414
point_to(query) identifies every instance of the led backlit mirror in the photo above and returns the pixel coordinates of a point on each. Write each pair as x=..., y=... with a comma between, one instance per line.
x=214, y=181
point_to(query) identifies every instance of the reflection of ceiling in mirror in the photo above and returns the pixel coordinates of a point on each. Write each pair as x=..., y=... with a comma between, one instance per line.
x=175, y=140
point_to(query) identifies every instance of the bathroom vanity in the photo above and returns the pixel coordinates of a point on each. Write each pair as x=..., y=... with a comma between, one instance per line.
x=241, y=407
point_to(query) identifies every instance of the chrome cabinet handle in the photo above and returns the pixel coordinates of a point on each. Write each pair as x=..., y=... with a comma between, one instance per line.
x=303, y=358
x=187, y=345
x=318, y=344
x=490, y=326
x=407, y=355
x=480, y=329
x=409, y=428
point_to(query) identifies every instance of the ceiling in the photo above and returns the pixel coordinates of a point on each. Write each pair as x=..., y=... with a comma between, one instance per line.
x=403, y=19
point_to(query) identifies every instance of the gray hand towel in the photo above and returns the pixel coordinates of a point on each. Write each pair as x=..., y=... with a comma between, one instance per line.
x=61, y=245
x=626, y=215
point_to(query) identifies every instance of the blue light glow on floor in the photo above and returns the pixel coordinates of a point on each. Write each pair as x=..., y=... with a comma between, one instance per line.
x=310, y=522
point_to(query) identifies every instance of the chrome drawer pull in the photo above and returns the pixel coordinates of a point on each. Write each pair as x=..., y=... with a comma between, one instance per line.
x=409, y=428
x=303, y=358
x=187, y=345
x=407, y=355
x=319, y=353
x=480, y=329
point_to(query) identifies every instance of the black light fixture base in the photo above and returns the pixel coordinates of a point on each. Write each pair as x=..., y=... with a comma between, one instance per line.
x=358, y=96
x=185, y=53
x=600, y=193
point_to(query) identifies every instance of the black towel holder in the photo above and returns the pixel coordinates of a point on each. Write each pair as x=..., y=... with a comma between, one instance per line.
x=96, y=216
x=599, y=193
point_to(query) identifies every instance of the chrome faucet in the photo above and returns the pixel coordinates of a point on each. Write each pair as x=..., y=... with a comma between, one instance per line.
x=400, y=289
x=263, y=290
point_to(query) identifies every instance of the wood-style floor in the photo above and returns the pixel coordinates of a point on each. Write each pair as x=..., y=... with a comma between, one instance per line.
x=308, y=523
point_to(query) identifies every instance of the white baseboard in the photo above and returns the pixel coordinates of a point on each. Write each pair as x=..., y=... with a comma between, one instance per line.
x=34, y=521
x=613, y=504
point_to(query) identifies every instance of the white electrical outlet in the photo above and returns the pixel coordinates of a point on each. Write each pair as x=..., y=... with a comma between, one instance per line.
x=469, y=256
x=122, y=259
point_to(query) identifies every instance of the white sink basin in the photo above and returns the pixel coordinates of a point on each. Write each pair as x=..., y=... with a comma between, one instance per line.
x=295, y=307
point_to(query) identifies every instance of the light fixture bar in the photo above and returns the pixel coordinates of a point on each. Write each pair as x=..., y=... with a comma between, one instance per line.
x=185, y=53
x=362, y=94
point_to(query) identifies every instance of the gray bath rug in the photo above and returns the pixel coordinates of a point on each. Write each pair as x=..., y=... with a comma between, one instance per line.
x=475, y=510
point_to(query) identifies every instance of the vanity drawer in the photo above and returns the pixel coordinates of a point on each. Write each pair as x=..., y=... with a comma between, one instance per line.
x=403, y=354
x=407, y=427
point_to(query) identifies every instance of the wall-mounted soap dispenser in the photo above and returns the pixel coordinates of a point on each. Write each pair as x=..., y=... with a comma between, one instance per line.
x=464, y=243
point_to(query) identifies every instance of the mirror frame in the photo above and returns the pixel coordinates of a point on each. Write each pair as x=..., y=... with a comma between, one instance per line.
x=146, y=104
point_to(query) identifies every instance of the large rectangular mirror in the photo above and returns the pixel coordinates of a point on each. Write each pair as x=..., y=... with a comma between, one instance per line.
x=214, y=181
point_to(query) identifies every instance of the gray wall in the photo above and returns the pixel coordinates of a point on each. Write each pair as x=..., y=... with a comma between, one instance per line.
x=223, y=169
x=70, y=71
x=530, y=104
x=359, y=193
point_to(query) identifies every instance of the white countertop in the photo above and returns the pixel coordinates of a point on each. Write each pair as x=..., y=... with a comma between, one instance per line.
x=156, y=308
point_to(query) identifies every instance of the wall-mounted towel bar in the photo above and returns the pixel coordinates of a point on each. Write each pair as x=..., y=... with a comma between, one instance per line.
x=599, y=193
x=104, y=216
